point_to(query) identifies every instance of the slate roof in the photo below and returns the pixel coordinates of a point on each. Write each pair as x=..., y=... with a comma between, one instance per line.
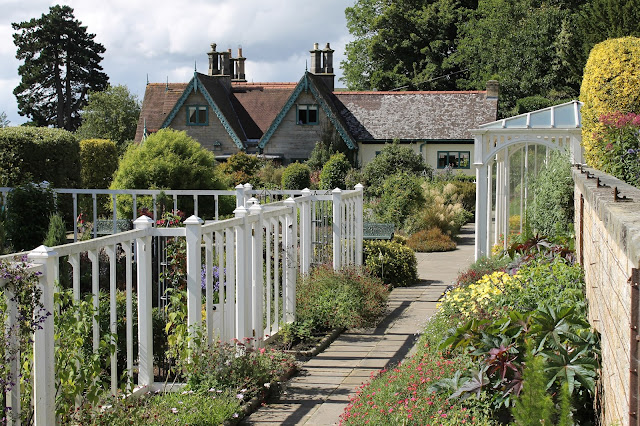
x=415, y=115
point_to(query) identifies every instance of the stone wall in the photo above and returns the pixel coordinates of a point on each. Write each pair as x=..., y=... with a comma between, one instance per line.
x=608, y=246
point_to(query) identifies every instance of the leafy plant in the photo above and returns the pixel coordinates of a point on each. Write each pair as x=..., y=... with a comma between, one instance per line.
x=28, y=210
x=431, y=240
x=296, y=176
x=393, y=158
x=401, y=197
x=57, y=234
x=334, y=172
x=394, y=263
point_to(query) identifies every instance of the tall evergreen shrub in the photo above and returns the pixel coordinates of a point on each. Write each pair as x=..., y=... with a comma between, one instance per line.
x=28, y=210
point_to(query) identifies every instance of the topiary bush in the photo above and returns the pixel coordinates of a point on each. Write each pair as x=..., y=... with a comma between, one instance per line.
x=37, y=154
x=392, y=159
x=394, y=263
x=296, y=176
x=329, y=299
x=334, y=172
x=610, y=84
x=431, y=240
x=167, y=159
x=28, y=210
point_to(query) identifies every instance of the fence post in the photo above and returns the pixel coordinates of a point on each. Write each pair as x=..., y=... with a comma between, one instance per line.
x=193, y=232
x=257, y=275
x=145, y=295
x=305, y=231
x=243, y=263
x=359, y=223
x=337, y=228
x=43, y=344
x=239, y=196
x=247, y=193
x=290, y=260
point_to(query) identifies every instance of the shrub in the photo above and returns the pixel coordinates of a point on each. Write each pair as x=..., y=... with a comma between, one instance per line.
x=551, y=210
x=610, y=83
x=400, y=198
x=296, y=176
x=354, y=176
x=56, y=234
x=98, y=162
x=442, y=210
x=394, y=263
x=531, y=103
x=621, y=154
x=431, y=240
x=270, y=175
x=335, y=172
x=393, y=158
x=28, y=210
x=241, y=168
x=348, y=298
x=37, y=154
x=168, y=159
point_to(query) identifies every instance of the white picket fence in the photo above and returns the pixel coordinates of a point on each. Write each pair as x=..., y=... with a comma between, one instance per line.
x=251, y=293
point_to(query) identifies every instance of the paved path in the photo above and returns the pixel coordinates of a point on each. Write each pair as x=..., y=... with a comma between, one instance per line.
x=321, y=391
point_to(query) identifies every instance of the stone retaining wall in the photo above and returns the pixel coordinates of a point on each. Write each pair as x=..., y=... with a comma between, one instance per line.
x=608, y=246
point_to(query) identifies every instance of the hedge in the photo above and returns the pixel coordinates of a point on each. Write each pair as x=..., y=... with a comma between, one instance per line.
x=611, y=83
x=37, y=154
x=98, y=162
x=296, y=176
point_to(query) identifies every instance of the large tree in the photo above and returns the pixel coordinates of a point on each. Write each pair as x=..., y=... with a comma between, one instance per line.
x=61, y=64
x=403, y=43
x=111, y=114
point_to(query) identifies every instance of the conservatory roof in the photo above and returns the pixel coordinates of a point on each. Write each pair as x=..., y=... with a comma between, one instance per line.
x=563, y=116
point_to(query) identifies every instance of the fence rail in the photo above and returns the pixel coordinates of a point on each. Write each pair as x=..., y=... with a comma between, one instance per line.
x=258, y=255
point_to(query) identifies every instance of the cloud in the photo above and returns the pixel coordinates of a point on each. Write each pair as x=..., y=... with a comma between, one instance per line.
x=163, y=38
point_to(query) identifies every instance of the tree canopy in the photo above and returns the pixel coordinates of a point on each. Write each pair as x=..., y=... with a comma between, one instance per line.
x=61, y=65
x=534, y=48
x=111, y=114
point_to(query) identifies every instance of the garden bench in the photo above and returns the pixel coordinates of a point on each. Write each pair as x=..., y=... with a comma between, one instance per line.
x=105, y=226
x=378, y=231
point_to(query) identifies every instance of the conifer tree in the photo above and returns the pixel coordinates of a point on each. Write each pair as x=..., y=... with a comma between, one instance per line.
x=61, y=64
x=534, y=406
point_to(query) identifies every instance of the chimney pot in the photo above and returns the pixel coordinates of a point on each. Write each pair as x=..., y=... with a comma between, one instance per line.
x=493, y=89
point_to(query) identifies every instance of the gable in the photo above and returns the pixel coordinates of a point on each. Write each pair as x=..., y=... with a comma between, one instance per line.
x=159, y=99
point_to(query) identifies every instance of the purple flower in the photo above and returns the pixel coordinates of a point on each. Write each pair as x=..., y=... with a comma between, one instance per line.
x=216, y=277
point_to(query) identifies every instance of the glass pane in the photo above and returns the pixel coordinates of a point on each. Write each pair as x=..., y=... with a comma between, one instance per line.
x=313, y=114
x=465, y=160
x=202, y=115
x=192, y=113
x=442, y=160
x=454, y=160
x=302, y=115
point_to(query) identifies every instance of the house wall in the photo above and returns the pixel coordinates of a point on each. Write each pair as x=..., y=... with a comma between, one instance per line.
x=429, y=151
x=608, y=246
x=296, y=141
x=206, y=135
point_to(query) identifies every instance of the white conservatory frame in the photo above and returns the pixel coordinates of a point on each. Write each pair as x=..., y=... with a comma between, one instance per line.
x=554, y=128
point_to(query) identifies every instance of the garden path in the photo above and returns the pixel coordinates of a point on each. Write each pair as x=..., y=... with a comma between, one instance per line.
x=321, y=391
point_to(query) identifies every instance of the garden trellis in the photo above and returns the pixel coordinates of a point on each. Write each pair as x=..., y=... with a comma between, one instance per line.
x=514, y=141
x=258, y=297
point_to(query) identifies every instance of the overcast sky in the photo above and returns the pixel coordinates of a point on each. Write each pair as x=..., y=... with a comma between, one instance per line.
x=163, y=38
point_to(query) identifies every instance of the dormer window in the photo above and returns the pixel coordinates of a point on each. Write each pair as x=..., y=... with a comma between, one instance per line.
x=307, y=114
x=197, y=115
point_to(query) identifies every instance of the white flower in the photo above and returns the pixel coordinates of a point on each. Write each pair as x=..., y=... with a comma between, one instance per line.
x=267, y=385
x=174, y=410
x=235, y=415
x=240, y=396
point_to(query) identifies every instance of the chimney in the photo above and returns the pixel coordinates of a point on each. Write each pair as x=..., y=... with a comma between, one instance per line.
x=316, y=59
x=327, y=60
x=213, y=60
x=225, y=63
x=240, y=75
x=493, y=89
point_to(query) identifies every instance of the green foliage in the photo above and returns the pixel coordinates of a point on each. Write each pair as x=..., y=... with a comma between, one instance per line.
x=167, y=159
x=28, y=210
x=394, y=263
x=442, y=209
x=619, y=146
x=348, y=298
x=401, y=196
x=330, y=143
x=531, y=103
x=296, y=176
x=270, y=175
x=32, y=154
x=610, y=84
x=334, y=172
x=110, y=114
x=79, y=370
x=551, y=210
x=56, y=75
x=56, y=234
x=354, y=176
x=98, y=162
x=242, y=168
x=431, y=240
x=4, y=121
x=534, y=406
x=392, y=159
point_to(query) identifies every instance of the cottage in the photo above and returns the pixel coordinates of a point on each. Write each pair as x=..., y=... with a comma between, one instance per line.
x=226, y=114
